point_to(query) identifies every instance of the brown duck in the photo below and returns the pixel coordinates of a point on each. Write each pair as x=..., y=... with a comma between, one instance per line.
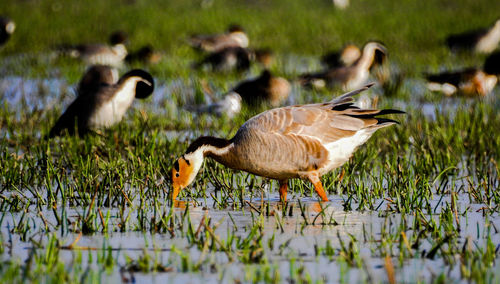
x=304, y=141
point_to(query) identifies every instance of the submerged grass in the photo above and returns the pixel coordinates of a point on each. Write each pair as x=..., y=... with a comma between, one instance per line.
x=420, y=194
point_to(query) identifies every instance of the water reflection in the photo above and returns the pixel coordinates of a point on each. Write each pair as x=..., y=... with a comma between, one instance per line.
x=23, y=94
x=296, y=229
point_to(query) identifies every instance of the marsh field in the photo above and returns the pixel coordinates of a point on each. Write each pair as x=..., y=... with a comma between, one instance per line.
x=418, y=203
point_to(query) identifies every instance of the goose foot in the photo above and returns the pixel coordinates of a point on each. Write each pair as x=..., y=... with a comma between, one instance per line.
x=283, y=189
x=314, y=179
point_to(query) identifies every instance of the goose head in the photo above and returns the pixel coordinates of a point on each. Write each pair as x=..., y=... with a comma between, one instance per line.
x=372, y=46
x=145, y=54
x=237, y=33
x=265, y=76
x=372, y=51
x=184, y=171
x=497, y=25
x=263, y=56
x=118, y=37
x=7, y=27
x=118, y=40
x=144, y=83
x=188, y=165
x=234, y=28
x=10, y=26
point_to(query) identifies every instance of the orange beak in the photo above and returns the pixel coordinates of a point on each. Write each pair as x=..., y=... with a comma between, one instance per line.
x=175, y=192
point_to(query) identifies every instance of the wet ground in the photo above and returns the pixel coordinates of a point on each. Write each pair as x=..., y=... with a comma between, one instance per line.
x=298, y=235
x=305, y=240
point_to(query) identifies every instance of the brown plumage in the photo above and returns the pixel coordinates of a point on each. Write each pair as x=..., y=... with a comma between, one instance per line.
x=235, y=58
x=234, y=37
x=348, y=77
x=264, y=56
x=227, y=59
x=95, y=77
x=265, y=88
x=345, y=57
x=305, y=141
x=145, y=54
x=100, y=104
x=91, y=54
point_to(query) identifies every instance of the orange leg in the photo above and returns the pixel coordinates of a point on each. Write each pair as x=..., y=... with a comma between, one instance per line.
x=283, y=189
x=314, y=178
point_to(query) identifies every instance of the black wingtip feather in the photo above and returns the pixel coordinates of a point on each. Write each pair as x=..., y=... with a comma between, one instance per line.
x=390, y=111
x=345, y=106
x=386, y=120
x=373, y=115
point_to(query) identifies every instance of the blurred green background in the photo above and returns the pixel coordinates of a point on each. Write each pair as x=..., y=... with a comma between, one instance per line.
x=412, y=30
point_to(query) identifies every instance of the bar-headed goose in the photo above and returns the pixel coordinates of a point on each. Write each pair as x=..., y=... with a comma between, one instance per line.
x=234, y=37
x=349, y=77
x=264, y=56
x=92, y=54
x=304, y=141
x=227, y=59
x=481, y=40
x=7, y=27
x=145, y=54
x=264, y=89
x=235, y=58
x=100, y=104
x=339, y=58
x=469, y=82
x=229, y=106
x=341, y=4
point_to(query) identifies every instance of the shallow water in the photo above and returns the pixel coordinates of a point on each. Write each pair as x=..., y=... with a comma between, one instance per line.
x=293, y=240
x=30, y=94
x=299, y=239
